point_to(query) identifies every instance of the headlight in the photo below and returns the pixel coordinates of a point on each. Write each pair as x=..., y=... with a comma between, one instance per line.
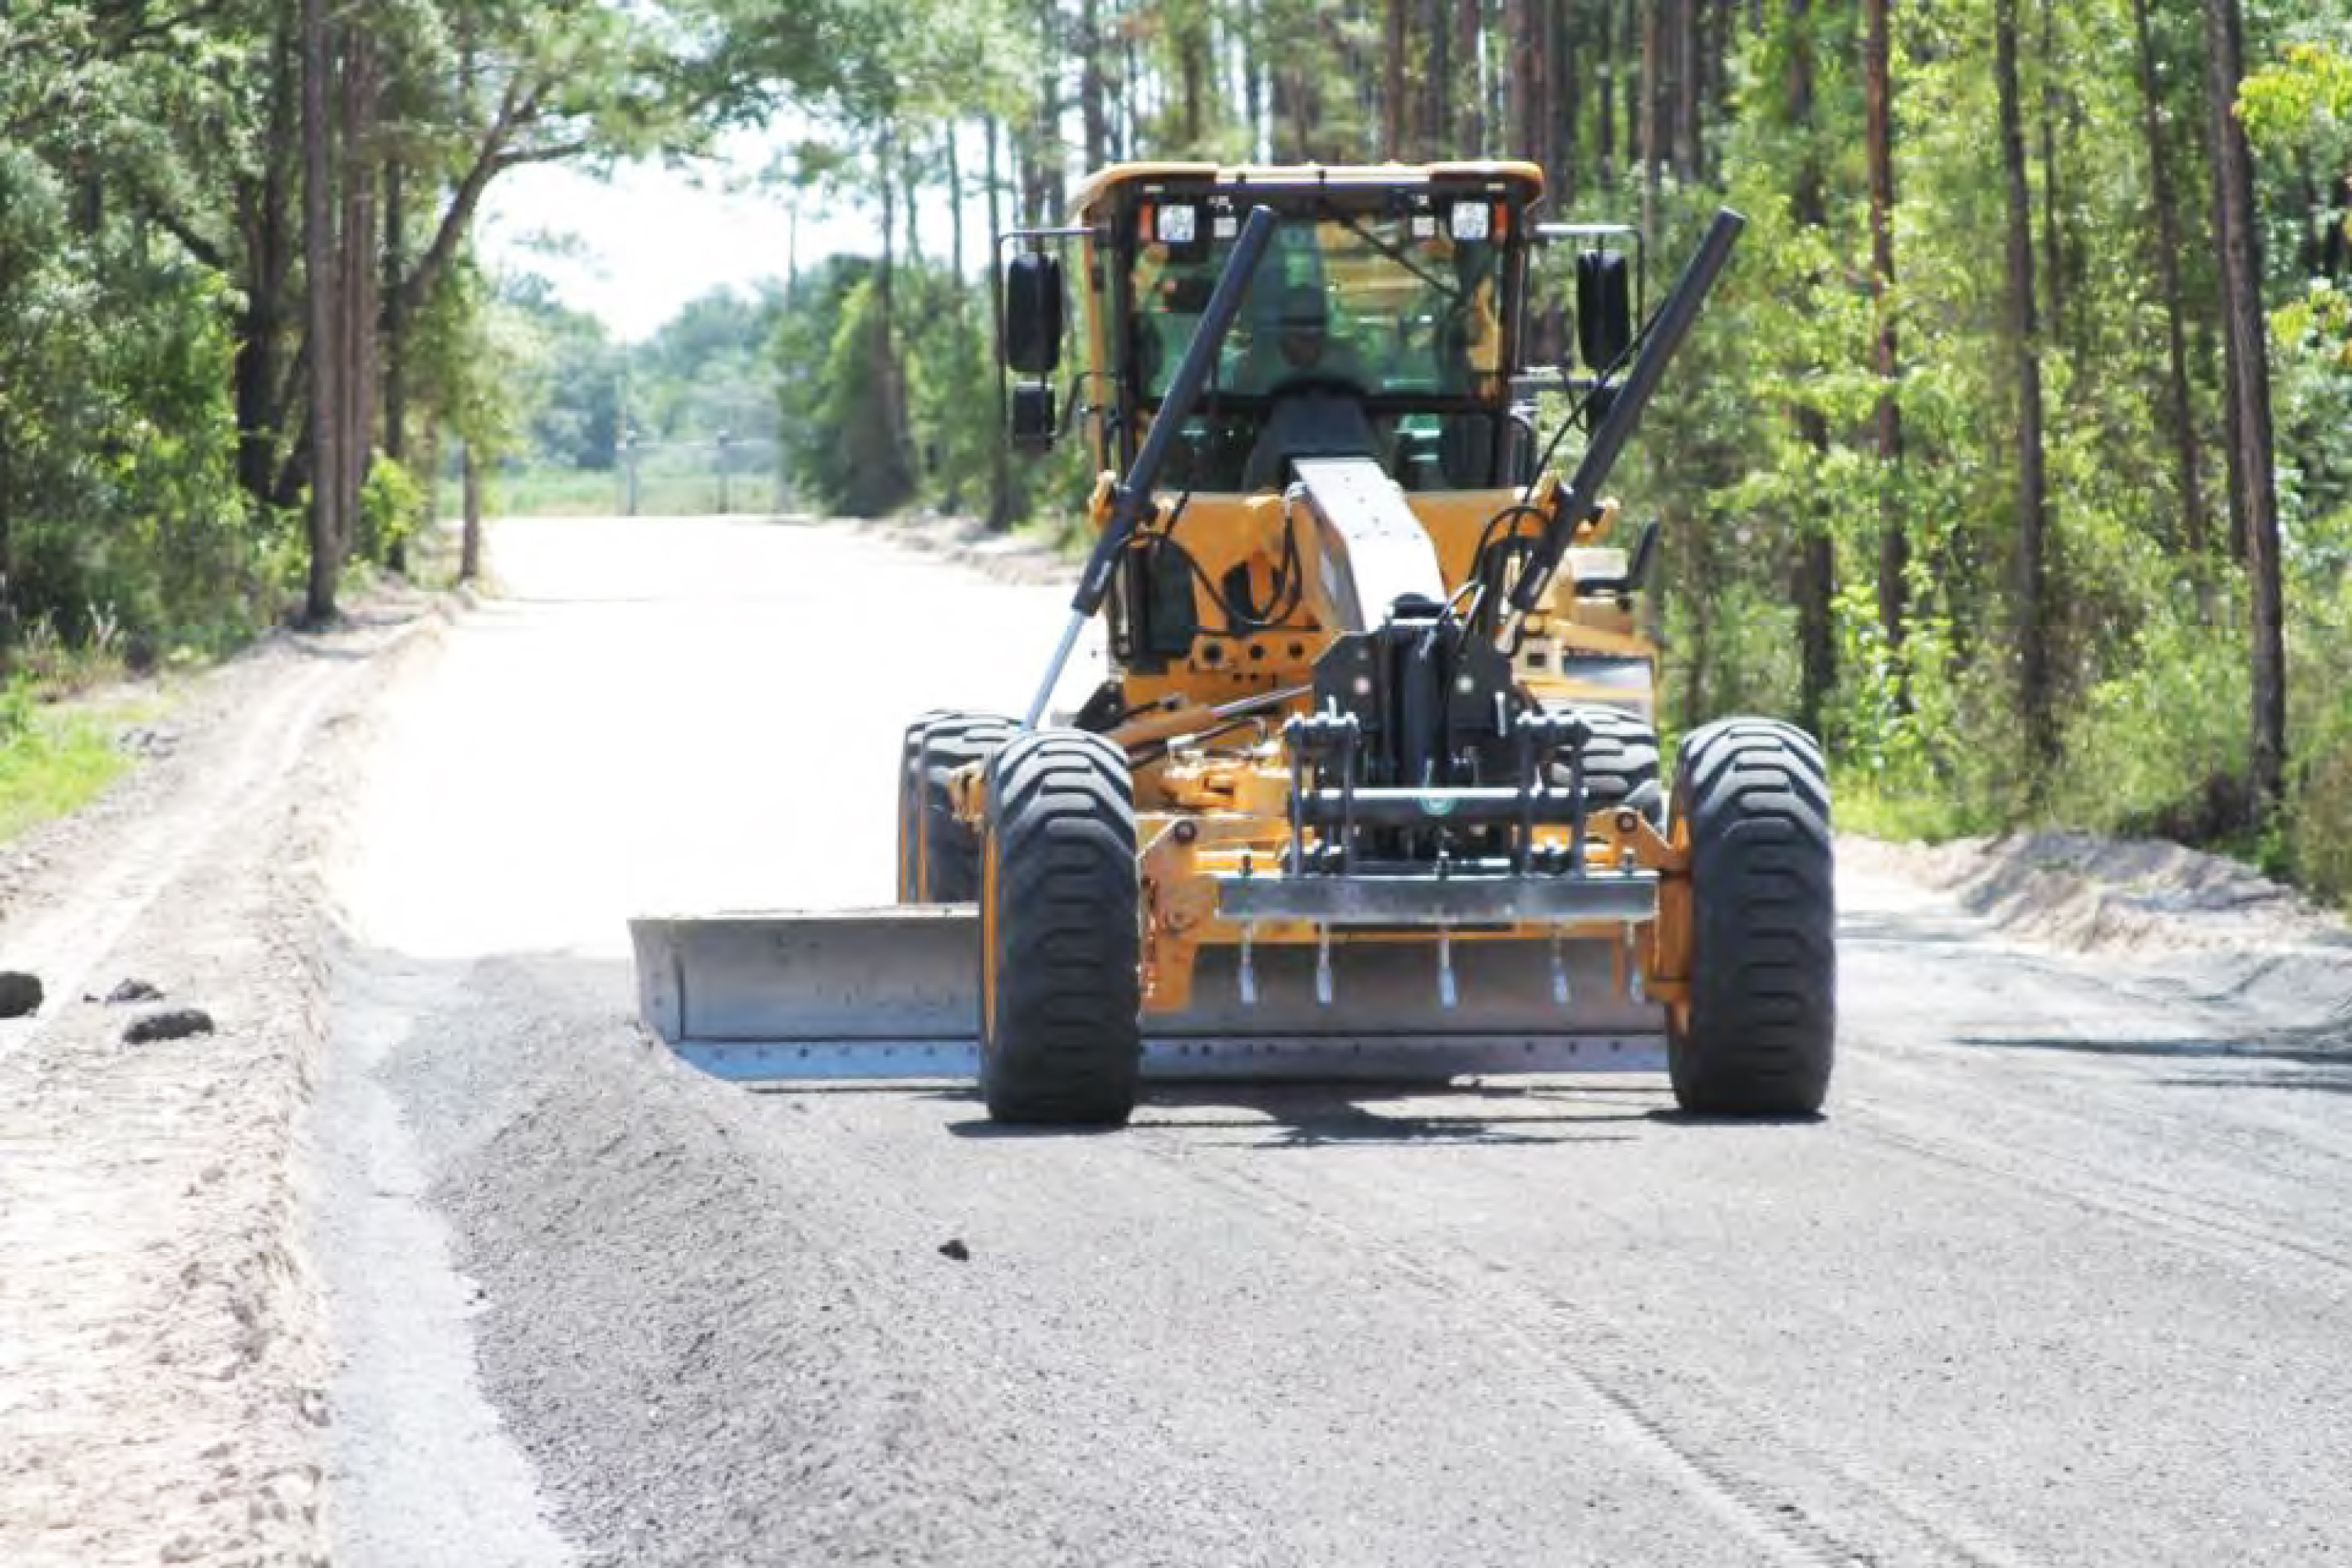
x=1178, y=225
x=1470, y=221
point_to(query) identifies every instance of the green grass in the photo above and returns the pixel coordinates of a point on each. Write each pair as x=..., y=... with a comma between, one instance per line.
x=566, y=492
x=1878, y=811
x=56, y=760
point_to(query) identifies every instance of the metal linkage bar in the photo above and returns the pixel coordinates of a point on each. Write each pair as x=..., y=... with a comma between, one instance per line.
x=1479, y=805
x=1428, y=900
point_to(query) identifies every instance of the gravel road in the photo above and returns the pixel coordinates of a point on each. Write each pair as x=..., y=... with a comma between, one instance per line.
x=2063, y=1277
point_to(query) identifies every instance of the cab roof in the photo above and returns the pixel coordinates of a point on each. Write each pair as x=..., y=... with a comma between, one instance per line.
x=1104, y=183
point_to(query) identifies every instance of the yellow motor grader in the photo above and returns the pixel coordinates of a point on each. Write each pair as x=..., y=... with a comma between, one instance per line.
x=1371, y=789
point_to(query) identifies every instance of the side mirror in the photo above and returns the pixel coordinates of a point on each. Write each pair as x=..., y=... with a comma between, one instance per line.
x=1034, y=421
x=1636, y=575
x=1033, y=313
x=1605, y=307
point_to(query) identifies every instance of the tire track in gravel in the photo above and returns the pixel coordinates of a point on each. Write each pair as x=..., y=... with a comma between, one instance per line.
x=1914, y=1083
x=1685, y=1425
x=2208, y=1230
x=65, y=945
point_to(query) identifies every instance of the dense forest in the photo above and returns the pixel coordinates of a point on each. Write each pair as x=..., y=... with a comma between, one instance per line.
x=2015, y=455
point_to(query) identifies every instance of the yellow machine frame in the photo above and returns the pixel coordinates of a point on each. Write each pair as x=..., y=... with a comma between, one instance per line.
x=1216, y=804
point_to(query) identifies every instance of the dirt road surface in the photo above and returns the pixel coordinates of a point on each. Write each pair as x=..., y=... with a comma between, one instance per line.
x=2063, y=1277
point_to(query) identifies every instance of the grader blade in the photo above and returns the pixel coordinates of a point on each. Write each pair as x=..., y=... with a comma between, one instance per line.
x=887, y=992
x=893, y=993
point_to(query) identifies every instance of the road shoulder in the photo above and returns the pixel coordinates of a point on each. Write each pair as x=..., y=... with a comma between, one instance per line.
x=163, y=1358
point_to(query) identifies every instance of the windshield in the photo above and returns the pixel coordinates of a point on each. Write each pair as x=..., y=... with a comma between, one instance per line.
x=1388, y=306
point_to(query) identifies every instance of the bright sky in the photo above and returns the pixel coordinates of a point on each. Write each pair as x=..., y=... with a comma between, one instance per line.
x=651, y=239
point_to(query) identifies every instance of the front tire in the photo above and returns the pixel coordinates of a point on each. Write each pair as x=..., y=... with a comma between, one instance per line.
x=1758, y=1036
x=1060, y=1039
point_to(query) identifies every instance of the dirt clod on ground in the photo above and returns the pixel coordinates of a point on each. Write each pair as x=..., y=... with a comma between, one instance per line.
x=168, y=1023
x=20, y=993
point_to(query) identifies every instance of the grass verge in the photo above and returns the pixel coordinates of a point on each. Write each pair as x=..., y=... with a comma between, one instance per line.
x=1876, y=810
x=55, y=760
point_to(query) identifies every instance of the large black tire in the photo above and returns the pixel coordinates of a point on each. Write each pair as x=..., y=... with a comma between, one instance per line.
x=910, y=804
x=945, y=868
x=1758, y=1037
x=1620, y=761
x=1060, y=1041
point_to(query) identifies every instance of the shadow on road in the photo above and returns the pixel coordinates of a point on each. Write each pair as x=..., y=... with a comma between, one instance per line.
x=1668, y=1116
x=1304, y=1116
x=2319, y=1045
x=2333, y=1082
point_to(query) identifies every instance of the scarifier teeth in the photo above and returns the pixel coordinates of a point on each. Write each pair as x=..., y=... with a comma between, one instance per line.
x=1560, y=994
x=1323, y=965
x=1634, y=966
x=1248, y=975
x=1446, y=994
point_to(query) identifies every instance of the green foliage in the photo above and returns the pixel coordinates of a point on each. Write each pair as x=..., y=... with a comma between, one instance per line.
x=706, y=374
x=391, y=508
x=118, y=501
x=53, y=760
x=2307, y=93
x=866, y=469
x=572, y=383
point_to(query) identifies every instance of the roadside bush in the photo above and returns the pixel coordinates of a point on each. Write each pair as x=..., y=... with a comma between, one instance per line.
x=391, y=508
x=118, y=501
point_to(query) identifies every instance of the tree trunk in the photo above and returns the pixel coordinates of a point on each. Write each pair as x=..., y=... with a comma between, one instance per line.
x=356, y=378
x=470, y=546
x=1093, y=100
x=886, y=372
x=2054, y=233
x=2181, y=422
x=1470, y=126
x=2335, y=248
x=395, y=340
x=1688, y=85
x=1253, y=93
x=1631, y=76
x=910, y=181
x=268, y=237
x=1393, y=29
x=1042, y=195
x=1000, y=471
x=1653, y=114
x=1816, y=584
x=1604, y=129
x=1569, y=59
x=2032, y=490
x=318, y=284
x=1193, y=70
x=1878, y=148
x=1437, y=82
x=2246, y=375
x=1716, y=101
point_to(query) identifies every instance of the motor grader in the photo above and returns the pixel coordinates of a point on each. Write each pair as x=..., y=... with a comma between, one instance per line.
x=1370, y=788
